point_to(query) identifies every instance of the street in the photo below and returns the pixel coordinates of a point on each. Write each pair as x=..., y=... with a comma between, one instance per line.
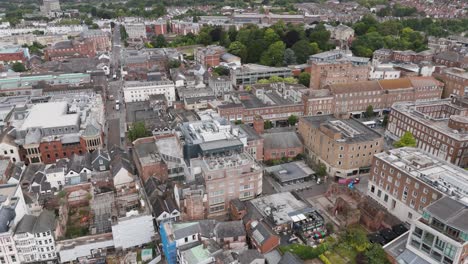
x=115, y=119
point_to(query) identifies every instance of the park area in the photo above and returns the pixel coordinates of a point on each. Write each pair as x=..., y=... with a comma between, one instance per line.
x=351, y=246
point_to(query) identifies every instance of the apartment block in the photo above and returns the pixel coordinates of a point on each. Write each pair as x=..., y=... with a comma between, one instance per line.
x=249, y=74
x=227, y=177
x=406, y=180
x=440, y=127
x=70, y=49
x=441, y=234
x=209, y=56
x=135, y=91
x=455, y=82
x=345, y=146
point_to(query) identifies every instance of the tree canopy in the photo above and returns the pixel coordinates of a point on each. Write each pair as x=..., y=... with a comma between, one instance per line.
x=304, y=78
x=138, y=130
x=18, y=67
x=407, y=140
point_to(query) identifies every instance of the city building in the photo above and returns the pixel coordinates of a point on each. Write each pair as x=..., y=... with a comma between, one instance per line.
x=341, y=33
x=70, y=49
x=290, y=173
x=281, y=145
x=99, y=38
x=49, y=131
x=209, y=56
x=455, y=82
x=440, y=235
x=135, y=30
x=228, y=176
x=451, y=59
x=12, y=55
x=344, y=146
x=384, y=72
x=337, y=67
x=35, y=238
x=439, y=127
x=406, y=180
x=249, y=74
x=220, y=85
x=135, y=91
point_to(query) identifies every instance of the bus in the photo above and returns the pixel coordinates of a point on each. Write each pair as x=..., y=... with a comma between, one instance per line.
x=370, y=124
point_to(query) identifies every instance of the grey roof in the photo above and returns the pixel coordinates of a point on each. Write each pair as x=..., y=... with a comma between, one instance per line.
x=161, y=205
x=186, y=229
x=229, y=229
x=33, y=136
x=91, y=130
x=26, y=225
x=36, y=224
x=290, y=258
x=261, y=233
x=409, y=257
x=251, y=133
x=249, y=255
x=206, y=146
x=282, y=140
x=238, y=204
x=99, y=153
x=66, y=44
x=78, y=162
x=45, y=222
x=451, y=212
x=31, y=170
x=289, y=172
x=6, y=216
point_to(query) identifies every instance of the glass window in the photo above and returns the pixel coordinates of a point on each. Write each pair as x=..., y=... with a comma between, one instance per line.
x=450, y=250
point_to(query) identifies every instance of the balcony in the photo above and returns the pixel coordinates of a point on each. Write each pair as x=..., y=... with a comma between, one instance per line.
x=442, y=228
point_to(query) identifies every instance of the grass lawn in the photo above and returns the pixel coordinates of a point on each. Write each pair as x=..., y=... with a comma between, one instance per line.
x=335, y=258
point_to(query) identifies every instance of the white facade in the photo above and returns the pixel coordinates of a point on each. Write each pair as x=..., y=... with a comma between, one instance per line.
x=35, y=247
x=384, y=73
x=8, y=252
x=140, y=91
x=56, y=178
x=133, y=231
x=135, y=30
x=122, y=178
x=9, y=151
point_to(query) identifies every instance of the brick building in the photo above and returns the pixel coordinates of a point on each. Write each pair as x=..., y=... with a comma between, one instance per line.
x=451, y=59
x=455, y=81
x=11, y=55
x=70, y=49
x=440, y=127
x=50, y=132
x=278, y=145
x=345, y=147
x=100, y=39
x=406, y=180
x=209, y=56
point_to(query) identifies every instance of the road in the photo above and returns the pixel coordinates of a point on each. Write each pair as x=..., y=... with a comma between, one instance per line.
x=115, y=119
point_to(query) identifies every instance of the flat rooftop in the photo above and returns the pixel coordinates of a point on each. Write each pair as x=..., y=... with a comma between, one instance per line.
x=48, y=115
x=351, y=130
x=440, y=124
x=442, y=175
x=290, y=171
x=278, y=205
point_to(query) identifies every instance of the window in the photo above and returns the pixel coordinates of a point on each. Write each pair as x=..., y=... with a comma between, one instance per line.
x=428, y=238
x=410, y=215
x=385, y=198
x=372, y=189
x=439, y=244
x=418, y=232
x=379, y=193
x=13, y=259
x=450, y=250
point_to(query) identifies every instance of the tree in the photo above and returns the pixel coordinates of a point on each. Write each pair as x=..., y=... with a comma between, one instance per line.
x=174, y=64
x=291, y=38
x=137, y=131
x=274, y=55
x=385, y=121
x=123, y=33
x=304, y=78
x=292, y=120
x=221, y=71
x=267, y=124
x=204, y=38
x=238, y=49
x=407, y=140
x=302, y=49
x=357, y=238
x=290, y=80
x=159, y=41
x=270, y=36
x=369, y=111
x=321, y=170
x=376, y=254
x=289, y=57
x=18, y=67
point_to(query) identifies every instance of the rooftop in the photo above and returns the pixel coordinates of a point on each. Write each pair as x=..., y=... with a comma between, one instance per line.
x=290, y=171
x=49, y=115
x=451, y=212
x=279, y=206
x=438, y=120
x=350, y=130
x=446, y=177
x=281, y=140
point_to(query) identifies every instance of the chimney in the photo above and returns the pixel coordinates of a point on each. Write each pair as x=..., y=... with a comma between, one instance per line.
x=258, y=124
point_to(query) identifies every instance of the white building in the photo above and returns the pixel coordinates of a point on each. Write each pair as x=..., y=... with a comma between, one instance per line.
x=135, y=30
x=133, y=230
x=140, y=91
x=34, y=238
x=384, y=72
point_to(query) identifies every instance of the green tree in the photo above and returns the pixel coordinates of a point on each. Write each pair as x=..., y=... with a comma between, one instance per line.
x=385, y=121
x=18, y=67
x=275, y=79
x=304, y=78
x=270, y=36
x=274, y=55
x=173, y=64
x=204, y=38
x=137, y=131
x=148, y=45
x=407, y=140
x=376, y=254
x=221, y=71
x=369, y=111
x=238, y=49
x=302, y=49
x=159, y=41
x=289, y=57
x=267, y=124
x=292, y=120
x=321, y=170
x=290, y=80
x=357, y=238
x=123, y=33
